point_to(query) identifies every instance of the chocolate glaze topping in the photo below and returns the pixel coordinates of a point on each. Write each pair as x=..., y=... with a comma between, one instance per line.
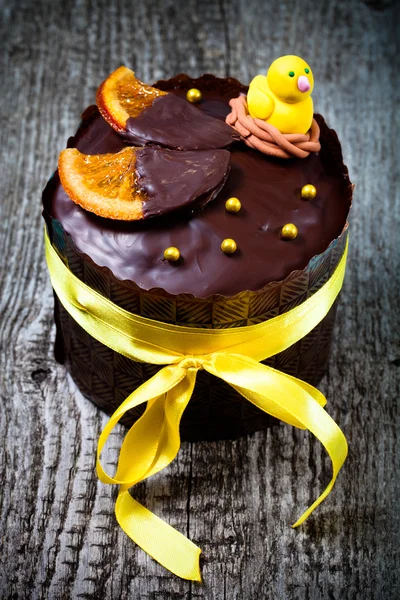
x=173, y=122
x=269, y=190
x=172, y=179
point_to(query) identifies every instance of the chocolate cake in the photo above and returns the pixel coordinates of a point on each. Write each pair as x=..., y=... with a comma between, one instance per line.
x=266, y=274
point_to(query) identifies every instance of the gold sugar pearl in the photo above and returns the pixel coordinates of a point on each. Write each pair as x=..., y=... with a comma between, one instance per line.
x=193, y=95
x=308, y=192
x=289, y=231
x=172, y=254
x=233, y=205
x=228, y=246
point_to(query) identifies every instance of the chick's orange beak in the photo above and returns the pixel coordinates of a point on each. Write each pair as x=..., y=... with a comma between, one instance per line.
x=303, y=84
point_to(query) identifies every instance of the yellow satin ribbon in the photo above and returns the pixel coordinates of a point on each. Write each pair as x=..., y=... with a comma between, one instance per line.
x=231, y=354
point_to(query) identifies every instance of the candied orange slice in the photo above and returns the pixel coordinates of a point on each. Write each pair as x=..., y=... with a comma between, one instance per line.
x=105, y=184
x=122, y=96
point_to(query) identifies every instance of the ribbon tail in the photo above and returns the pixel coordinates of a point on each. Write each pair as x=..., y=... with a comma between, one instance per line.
x=277, y=393
x=149, y=446
x=165, y=544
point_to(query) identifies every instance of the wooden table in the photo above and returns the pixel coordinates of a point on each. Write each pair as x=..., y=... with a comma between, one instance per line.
x=235, y=499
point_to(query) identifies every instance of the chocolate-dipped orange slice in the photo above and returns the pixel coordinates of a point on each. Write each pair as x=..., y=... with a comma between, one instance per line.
x=144, y=116
x=138, y=183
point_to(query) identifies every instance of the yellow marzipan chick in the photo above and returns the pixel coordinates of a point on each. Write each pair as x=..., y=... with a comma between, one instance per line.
x=283, y=97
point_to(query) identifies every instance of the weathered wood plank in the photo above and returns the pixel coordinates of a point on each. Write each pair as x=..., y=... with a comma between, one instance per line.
x=235, y=499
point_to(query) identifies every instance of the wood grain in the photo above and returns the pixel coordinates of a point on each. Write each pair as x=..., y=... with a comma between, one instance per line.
x=235, y=499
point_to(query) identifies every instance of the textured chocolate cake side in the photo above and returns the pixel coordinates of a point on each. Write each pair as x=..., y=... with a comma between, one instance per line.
x=215, y=411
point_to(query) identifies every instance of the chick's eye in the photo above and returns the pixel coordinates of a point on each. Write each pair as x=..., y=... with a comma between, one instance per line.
x=291, y=73
x=307, y=71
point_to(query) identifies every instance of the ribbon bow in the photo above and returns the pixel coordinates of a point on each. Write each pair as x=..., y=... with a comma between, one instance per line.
x=233, y=355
